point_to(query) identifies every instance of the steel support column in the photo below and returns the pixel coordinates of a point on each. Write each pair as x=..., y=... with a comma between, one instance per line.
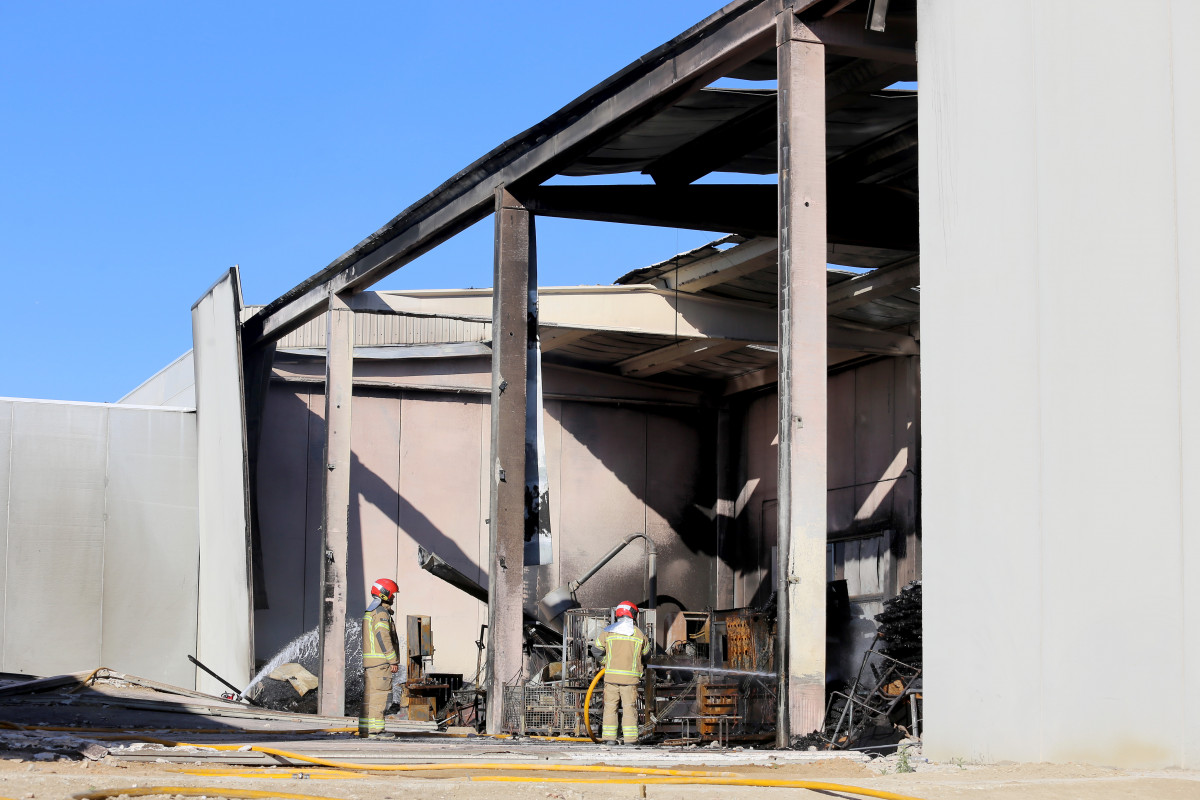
x=802, y=378
x=514, y=268
x=335, y=479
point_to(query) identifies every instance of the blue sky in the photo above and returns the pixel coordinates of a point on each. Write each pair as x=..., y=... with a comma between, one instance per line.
x=147, y=147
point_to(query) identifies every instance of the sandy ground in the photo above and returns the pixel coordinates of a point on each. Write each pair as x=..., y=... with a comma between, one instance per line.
x=23, y=778
x=44, y=738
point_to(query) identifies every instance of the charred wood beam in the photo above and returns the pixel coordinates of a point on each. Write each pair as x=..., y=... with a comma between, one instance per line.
x=844, y=335
x=877, y=15
x=675, y=355
x=727, y=39
x=882, y=282
x=882, y=155
x=865, y=216
x=847, y=34
x=714, y=149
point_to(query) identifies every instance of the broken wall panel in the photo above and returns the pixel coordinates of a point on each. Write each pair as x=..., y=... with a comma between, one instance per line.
x=151, y=544
x=225, y=633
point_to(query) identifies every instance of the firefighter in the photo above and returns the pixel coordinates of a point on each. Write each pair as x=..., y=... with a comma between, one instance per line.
x=381, y=658
x=623, y=645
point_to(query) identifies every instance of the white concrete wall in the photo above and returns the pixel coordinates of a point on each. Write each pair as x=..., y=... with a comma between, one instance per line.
x=97, y=522
x=1060, y=172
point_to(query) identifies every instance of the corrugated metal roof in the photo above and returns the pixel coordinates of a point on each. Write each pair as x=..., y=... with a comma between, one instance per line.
x=375, y=330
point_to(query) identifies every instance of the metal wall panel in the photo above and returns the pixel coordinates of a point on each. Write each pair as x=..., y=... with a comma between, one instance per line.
x=1059, y=453
x=681, y=510
x=603, y=483
x=55, y=536
x=173, y=385
x=283, y=519
x=151, y=545
x=868, y=456
x=313, y=502
x=375, y=503
x=1117, y=106
x=440, y=507
x=224, y=634
x=6, y=412
x=1185, y=19
x=760, y=486
x=874, y=449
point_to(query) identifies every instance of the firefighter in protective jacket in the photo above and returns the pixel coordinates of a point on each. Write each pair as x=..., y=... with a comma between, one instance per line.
x=624, y=645
x=381, y=657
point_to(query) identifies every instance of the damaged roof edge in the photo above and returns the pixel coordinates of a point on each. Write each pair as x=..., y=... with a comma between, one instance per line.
x=504, y=155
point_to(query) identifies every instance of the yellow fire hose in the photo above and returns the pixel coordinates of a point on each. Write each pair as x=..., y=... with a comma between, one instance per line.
x=587, y=705
x=646, y=775
x=221, y=791
x=816, y=786
x=192, y=791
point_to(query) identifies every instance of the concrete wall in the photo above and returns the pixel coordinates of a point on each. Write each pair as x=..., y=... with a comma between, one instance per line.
x=871, y=507
x=418, y=479
x=1060, y=188
x=97, y=520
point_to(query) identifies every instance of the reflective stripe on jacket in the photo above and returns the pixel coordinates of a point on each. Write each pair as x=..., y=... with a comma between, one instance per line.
x=623, y=655
x=380, y=644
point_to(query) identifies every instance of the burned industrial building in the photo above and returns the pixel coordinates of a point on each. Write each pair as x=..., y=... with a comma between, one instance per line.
x=734, y=438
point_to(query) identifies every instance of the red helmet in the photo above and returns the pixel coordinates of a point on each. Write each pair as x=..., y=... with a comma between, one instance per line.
x=626, y=609
x=384, y=589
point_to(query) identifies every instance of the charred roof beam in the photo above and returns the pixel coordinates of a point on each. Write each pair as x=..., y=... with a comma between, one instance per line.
x=756, y=128
x=864, y=216
x=713, y=149
x=727, y=39
x=885, y=156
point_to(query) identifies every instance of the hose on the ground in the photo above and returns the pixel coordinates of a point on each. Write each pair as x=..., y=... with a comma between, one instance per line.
x=193, y=791
x=587, y=705
x=652, y=775
x=273, y=773
x=321, y=762
x=817, y=786
x=243, y=731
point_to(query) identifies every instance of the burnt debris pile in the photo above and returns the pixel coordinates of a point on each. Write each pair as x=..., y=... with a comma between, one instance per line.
x=900, y=625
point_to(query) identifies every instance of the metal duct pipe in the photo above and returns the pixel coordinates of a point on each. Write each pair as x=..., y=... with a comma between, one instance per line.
x=436, y=565
x=556, y=602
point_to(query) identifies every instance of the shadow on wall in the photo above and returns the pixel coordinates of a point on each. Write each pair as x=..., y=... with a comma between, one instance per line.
x=297, y=457
x=677, y=485
x=639, y=469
